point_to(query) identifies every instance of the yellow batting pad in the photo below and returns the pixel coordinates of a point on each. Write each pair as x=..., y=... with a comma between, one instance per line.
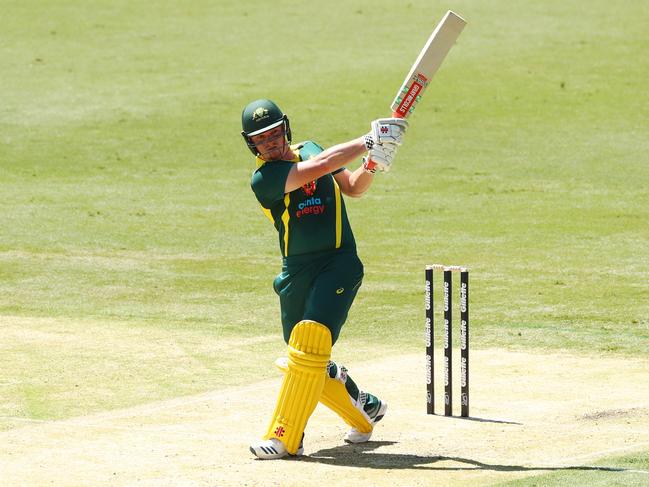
x=309, y=349
x=335, y=397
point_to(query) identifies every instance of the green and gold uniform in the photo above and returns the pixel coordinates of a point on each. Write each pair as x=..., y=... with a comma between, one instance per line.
x=321, y=271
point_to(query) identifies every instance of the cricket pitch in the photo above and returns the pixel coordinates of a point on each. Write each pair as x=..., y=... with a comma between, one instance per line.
x=531, y=413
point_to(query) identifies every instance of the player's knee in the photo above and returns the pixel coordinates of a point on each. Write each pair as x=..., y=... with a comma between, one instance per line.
x=309, y=344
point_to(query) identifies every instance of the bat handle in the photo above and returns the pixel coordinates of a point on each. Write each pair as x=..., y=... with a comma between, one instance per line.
x=370, y=165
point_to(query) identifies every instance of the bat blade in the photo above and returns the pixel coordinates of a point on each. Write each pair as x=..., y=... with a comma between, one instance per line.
x=428, y=62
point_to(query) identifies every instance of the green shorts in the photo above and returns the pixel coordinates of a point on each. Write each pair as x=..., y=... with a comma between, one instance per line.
x=319, y=287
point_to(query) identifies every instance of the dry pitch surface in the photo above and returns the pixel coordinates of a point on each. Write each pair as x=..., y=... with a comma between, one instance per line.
x=531, y=413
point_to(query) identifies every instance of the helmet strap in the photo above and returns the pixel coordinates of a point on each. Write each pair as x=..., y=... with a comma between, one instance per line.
x=287, y=130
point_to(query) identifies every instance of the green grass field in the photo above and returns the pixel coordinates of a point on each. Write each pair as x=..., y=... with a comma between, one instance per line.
x=607, y=475
x=136, y=265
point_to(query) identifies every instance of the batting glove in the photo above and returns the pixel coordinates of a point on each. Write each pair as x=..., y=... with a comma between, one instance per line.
x=386, y=131
x=380, y=158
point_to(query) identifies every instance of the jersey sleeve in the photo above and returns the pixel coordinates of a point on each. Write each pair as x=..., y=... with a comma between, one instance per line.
x=268, y=182
x=310, y=148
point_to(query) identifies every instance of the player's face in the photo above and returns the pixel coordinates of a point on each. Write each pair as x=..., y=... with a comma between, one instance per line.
x=271, y=144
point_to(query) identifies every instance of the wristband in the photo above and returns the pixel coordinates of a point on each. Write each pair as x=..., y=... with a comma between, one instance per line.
x=369, y=142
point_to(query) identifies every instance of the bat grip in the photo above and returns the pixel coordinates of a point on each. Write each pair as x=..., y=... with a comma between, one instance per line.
x=370, y=165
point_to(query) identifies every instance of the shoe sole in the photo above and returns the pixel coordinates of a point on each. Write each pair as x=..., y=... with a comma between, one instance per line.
x=300, y=452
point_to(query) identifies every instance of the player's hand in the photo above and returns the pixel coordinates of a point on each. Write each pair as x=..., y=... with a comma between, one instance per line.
x=386, y=131
x=380, y=157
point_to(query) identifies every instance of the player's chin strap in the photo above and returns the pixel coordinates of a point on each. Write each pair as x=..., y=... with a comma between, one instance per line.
x=261, y=160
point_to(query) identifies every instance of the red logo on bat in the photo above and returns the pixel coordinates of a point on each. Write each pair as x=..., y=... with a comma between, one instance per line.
x=410, y=97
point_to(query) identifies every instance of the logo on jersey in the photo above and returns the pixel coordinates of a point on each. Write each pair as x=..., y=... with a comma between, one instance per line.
x=309, y=188
x=311, y=206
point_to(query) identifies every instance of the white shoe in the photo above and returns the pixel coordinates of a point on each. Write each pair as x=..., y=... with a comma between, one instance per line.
x=273, y=449
x=355, y=436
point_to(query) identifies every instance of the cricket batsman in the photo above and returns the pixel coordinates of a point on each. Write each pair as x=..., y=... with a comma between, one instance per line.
x=300, y=188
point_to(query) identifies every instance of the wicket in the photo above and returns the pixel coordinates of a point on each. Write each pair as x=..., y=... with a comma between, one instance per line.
x=448, y=336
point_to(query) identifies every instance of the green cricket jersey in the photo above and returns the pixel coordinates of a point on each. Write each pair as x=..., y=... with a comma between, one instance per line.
x=309, y=219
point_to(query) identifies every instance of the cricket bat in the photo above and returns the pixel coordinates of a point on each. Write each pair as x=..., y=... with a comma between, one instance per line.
x=427, y=63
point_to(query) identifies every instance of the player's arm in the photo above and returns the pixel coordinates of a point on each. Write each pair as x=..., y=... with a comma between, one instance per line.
x=381, y=142
x=354, y=183
x=325, y=162
x=379, y=158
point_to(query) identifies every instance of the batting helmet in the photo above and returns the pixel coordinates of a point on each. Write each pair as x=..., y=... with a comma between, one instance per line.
x=259, y=116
